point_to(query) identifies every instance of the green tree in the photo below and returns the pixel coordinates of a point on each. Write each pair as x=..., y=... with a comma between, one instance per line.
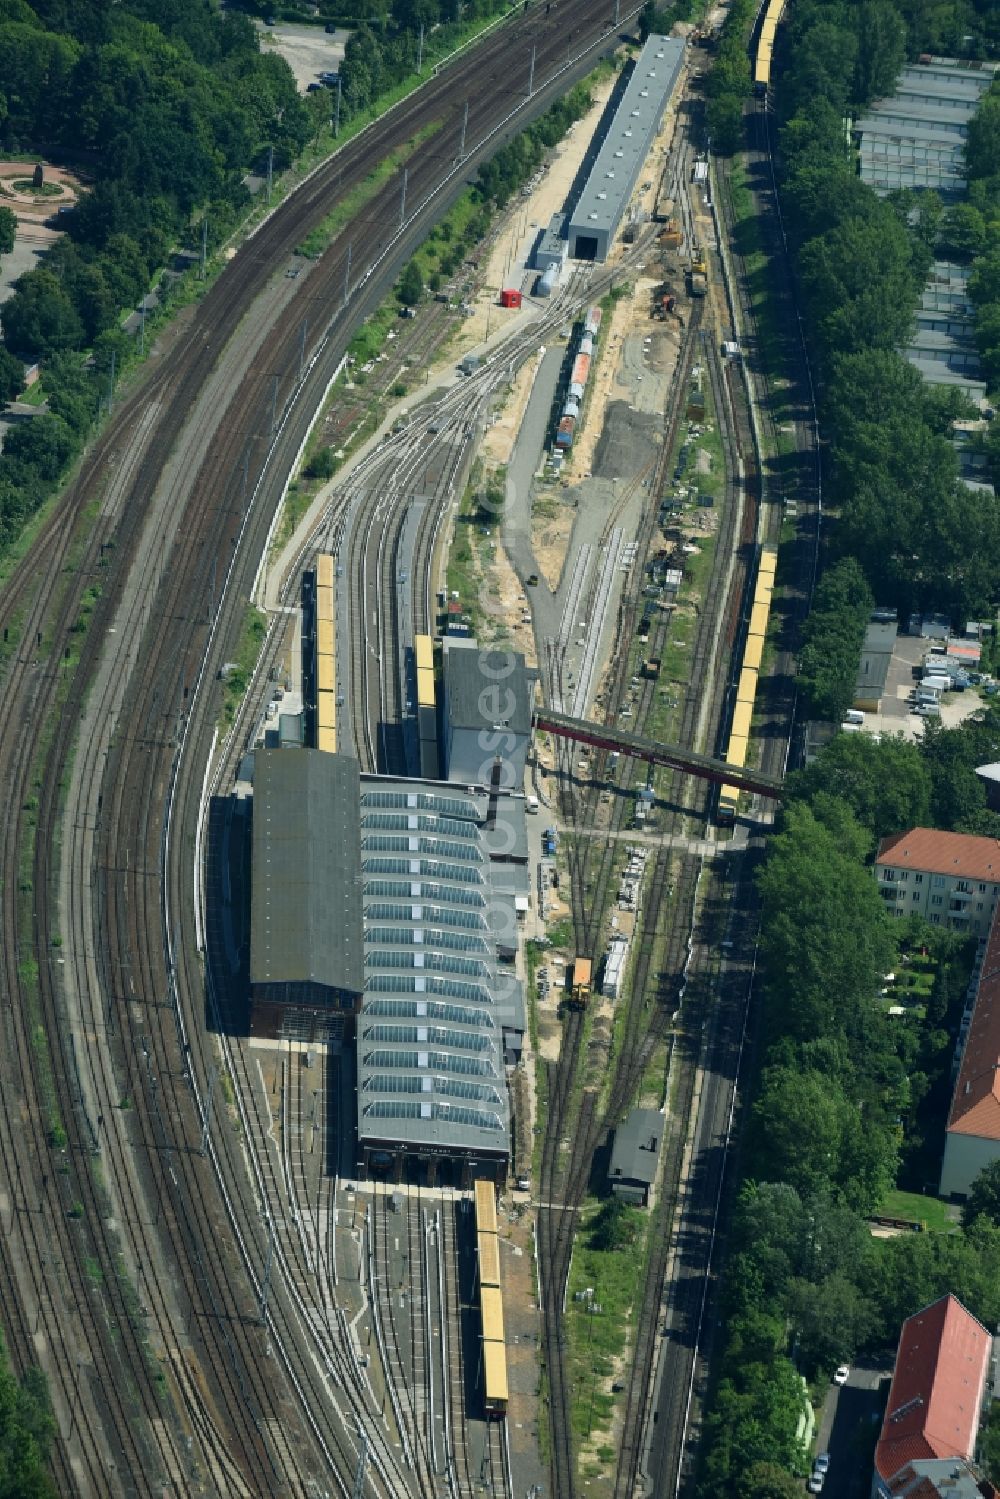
x=858, y=283
x=832, y=1320
x=411, y=285
x=963, y=232
x=982, y=144
x=886, y=783
x=39, y=318
x=767, y=1481
x=833, y=636
x=11, y=376
x=881, y=49
x=984, y=1196
x=8, y=230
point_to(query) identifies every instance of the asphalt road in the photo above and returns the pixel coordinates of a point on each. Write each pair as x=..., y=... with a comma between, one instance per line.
x=848, y=1430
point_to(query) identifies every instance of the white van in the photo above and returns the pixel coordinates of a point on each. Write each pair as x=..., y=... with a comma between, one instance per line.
x=854, y=716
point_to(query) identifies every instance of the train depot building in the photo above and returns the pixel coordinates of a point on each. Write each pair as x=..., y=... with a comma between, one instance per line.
x=622, y=155
x=385, y=913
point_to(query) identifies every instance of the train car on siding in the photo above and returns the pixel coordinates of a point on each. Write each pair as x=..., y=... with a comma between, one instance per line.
x=324, y=570
x=564, y=435
x=488, y=1264
x=486, y=1206
x=495, y=1392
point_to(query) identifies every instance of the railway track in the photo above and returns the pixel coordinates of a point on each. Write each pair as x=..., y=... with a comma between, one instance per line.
x=138, y=766
x=648, y=1024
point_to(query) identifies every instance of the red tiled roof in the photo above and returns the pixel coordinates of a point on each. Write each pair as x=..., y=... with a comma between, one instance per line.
x=937, y=1387
x=975, y=1105
x=934, y=852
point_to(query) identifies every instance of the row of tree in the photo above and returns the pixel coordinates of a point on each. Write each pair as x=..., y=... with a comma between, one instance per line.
x=832, y=639
x=982, y=159
x=162, y=105
x=849, y=1100
x=383, y=49
x=924, y=540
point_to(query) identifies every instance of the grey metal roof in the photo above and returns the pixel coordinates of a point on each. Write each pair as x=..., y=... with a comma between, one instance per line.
x=633, y=130
x=553, y=245
x=485, y=689
x=306, y=898
x=437, y=997
x=876, y=654
x=637, y=1146
x=936, y=372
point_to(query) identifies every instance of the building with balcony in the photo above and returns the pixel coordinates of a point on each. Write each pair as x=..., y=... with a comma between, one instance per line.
x=950, y=879
x=972, y=1138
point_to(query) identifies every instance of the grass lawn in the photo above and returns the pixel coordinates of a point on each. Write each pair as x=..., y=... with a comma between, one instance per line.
x=919, y=1209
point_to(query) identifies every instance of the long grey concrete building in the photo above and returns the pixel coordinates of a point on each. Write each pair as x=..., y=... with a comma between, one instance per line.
x=619, y=161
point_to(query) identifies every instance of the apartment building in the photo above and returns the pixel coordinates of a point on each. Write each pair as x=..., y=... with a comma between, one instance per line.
x=950, y=879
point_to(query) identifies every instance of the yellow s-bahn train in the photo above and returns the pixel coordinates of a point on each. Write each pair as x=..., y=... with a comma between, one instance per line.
x=324, y=655
x=746, y=691
x=765, y=48
x=494, y=1339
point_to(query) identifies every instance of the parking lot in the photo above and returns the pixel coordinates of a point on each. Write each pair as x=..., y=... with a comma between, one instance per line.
x=895, y=715
x=308, y=50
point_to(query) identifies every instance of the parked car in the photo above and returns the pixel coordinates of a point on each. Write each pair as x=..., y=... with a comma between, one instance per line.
x=842, y=1374
x=821, y=1463
x=814, y=1483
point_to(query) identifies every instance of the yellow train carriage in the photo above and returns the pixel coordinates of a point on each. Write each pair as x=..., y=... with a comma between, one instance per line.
x=326, y=710
x=495, y=1392
x=324, y=604
x=324, y=570
x=423, y=650
x=754, y=653
x=758, y=618
x=324, y=637
x=491, y=1306
x=486, y=1207
x=326, y=680
x=489, y=1260
x=746, y=691
x=326, y=740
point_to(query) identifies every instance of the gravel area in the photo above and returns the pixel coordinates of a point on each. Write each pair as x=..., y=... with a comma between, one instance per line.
x=627, y=443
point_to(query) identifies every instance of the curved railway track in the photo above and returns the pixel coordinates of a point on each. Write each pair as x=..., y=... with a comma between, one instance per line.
x=222, y=1418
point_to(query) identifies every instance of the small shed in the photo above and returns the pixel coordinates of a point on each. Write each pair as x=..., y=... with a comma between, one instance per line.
x=510, y=297
x=635, y=1155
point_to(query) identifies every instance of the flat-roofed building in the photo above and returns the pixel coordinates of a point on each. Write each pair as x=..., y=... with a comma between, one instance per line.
x=636, y=123
x=486, y=717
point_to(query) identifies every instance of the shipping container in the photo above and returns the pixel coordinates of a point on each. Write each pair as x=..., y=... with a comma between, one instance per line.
x=564, y=436
x=486, y=1207
x=576, y=392
x=509, y=297
x=586, y=344
x=571, y=408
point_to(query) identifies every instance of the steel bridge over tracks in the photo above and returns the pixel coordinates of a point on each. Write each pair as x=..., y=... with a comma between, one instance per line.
x=706, y=767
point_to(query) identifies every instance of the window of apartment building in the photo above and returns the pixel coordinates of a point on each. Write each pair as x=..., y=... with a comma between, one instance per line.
x=916, y=895
x=982, y=889
x=937, y=900
x=918, y=879
x=935, y=921
x=904, y=875
x=979, y=905
x=938, y=881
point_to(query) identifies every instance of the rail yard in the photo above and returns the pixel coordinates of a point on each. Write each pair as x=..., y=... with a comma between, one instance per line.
x=266, y=1001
